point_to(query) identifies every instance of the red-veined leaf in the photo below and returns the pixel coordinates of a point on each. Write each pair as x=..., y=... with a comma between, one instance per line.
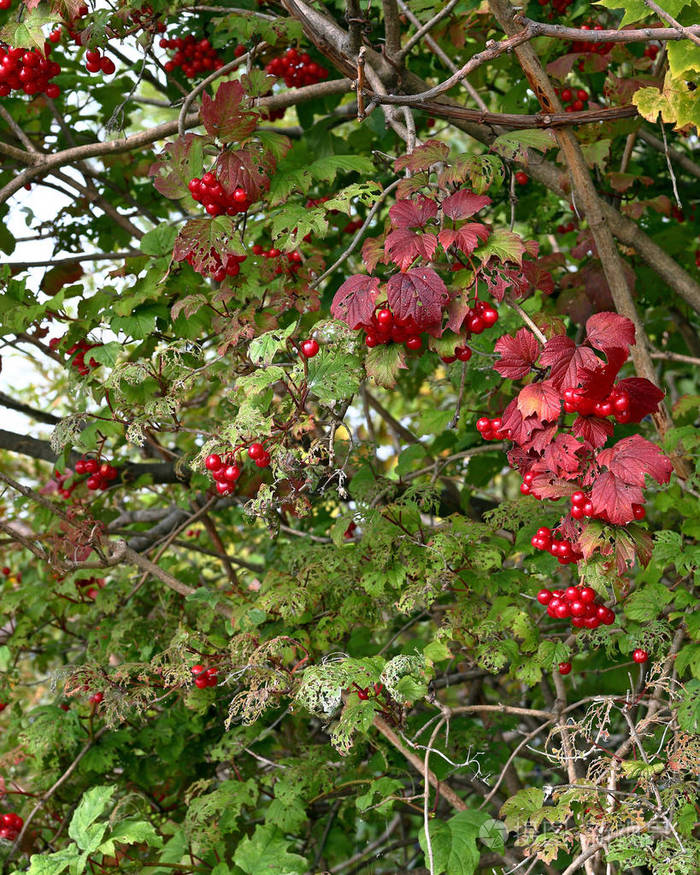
x=566, y=360
x=593, y=429
x=353, y=303
x=517, y=354
x=419, y=294
x=403, y=247
x=607, y=331
x=463, y=204
x=222, y=115
x=644, y=397
x=248, y=168
x=612, y=498
x=414, y=213
x=466, y=238
x=634, y=457
x=423, y=157
x=540, y=399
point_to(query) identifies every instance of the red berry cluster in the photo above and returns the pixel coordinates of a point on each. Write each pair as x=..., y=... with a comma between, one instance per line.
x=90, y=586
x=96, y=698
x=580, y=604
x=365, y=693
x=231, y=267
x=98, y=63
x=10, y=826
x=384, y=329
x=296, y=70
x=147, y=19
x=81, y=347
x=574, y=99
x=100, y=475
x=651, y=51
x=227, y=470
x=560, y=548
x=209, y=192
x=490, y=429
x=294, y=258
x=616, y=404
x=564, y=229
x=599, y=48
x=204, y=677
x=192, y=55
x=28, y=70
x=61, y=479
x=558, y=6
x=581, y=506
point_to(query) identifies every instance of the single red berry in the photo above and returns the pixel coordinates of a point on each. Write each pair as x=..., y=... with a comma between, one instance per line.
x=566, y=95
x=213, y=462
x=202, y=682
x=414, y=343
x=521, y=178
x=463, y=353
x=587, y=594
x=256, y=451
x=564, y=667
x=385, y=318
x=639, y=511
x=544, y=596
x=309, y=348
x=640, y=656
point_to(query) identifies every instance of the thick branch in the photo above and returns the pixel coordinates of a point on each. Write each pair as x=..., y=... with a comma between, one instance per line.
x=638, y=35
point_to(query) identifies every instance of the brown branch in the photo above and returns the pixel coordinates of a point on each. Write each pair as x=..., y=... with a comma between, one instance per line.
x=38, y=415
x=76, y=259
x=693, y=34
x=392, y=28
x=636, y=35
x=426, y=28
x=675, y=156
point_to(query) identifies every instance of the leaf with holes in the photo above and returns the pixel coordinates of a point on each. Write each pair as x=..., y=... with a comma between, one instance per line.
x=353, y=303
x=222, y=115
x=423, y=157
x=208, y=240
x=541, y=399
x=418, y=294
x=384, y=362
x=517, y=354
x=514, y=145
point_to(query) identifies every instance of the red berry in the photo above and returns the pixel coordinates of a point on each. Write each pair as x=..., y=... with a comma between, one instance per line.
x=587, y=594
x=201, y=682
x=564, y=667
x=640, y=656
x=521, y=178
x=385, y=318
x=414, y=343
x=256, y=451
x=309, y=348
x=463, y=353
x=544, y=596
x=213, y=462
x=639, y=511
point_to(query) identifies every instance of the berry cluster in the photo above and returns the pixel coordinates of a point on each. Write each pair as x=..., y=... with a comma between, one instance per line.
x=100, y=475
x=147, y=19
x=617, y=404
x=480, y=317
x=580, y=604
x=192, y=55
x=564, y=229
x=98, y=63
x=365, y=693
x=296, y=69
x=209, y=192
x=10, y=826
x=204, y=677
x=90, y=586
x=574, y=99
x=490, y=429
x=598, y=48
x=293, y=258
x=228, y=469
x=60, y=479
x=96, y=698
x=558, y=6
x=651, y=51
x=28, y=70
x=560, y=548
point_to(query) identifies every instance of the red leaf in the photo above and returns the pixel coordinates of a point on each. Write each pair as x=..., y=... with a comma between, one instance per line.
x=353, y=303
x=634, y=457
x=561, y=456
x=248, y=168
x=518, y=428
x=541, y=399
x=466, y=238
x=517, y=353
x=423, y=157
x=541, y=438
x=415, y=213
x=178, y=163
x=403, y=247
x=463, y=204
x=209, y=241
x=607, y=331
x=598, y=382
x=593, y=429
x=499, y=279
x=644, y=397
x=418, y=294
x=544, y=485
x=538, y=277
x=613, y=498
x=222, y=116
x=565, y=360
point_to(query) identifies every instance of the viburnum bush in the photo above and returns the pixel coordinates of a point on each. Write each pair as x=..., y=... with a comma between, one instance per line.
x=349, y=464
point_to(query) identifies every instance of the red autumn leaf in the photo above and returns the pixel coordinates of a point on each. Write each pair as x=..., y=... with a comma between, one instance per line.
x=562, y=455
x=540, y=399
x=403, y=247
x=248, y=168
x=466, y=238
x=208, y=240
x=541, y=438
x=546, y=485
x=634, y=457
x=353, y=303
x=644, y=397
x=613, y=498
x=419, y=294
x=518, y=428
x=517, y=354
x=414, y=213
x=222, y=115
x=372, y=253
x=566, y=359
x=463, y=204
x=593, y=429
x=607, y=331
x=499, y=279
x=538, y=276
x=597, y=382
x=423, y=157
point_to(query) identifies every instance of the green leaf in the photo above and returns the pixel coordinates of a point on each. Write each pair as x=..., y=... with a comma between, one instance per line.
x=637, y=10
x=29, y=33
x=343, y=200
x=384, y=362
x=265, y=853
x=504, y=244
x=377, y=791
x=514, y=145
x=647, y=603
x=326, y=169
x=131, y=832
x=107, y=353
x=54, y=864
x=408, y=458
x=334, y=376
x=159, y=241
x=676, y=102
x=83, y=829
x=518, y=808
x=453, y=842
x=294, y=222
x=265, y=347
